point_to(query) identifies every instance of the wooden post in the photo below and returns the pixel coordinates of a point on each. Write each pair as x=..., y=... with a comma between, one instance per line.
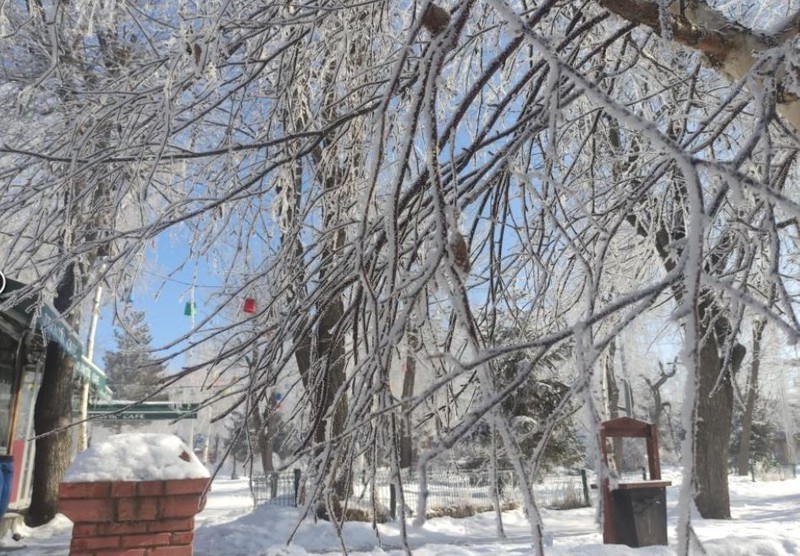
x=19, y=372
x=585, y=483
x=393, y=500
x=296, y=485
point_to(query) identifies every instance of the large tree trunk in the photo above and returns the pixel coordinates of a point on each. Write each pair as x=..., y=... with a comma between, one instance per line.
x=743, y=457
x=331, y=365
x=331, y=369
x=714, y=408
x=53, y=412
x=714, y=393
x=321, y=366
x=711, y=455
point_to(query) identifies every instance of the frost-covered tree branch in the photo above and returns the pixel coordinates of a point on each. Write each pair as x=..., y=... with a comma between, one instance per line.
x=492, y=181
x=735, y=50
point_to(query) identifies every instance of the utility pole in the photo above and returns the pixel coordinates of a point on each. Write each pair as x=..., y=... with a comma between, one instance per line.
x=83, y=429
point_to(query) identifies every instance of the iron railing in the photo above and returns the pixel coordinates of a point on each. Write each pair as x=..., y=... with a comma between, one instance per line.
x=447, y=490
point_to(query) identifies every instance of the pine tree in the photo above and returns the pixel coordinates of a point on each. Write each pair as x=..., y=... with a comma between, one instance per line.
x=761, y=436
x=531, y=404
x=133, y=373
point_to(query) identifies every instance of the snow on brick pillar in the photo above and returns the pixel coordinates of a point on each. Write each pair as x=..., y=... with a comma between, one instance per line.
x=117, y=511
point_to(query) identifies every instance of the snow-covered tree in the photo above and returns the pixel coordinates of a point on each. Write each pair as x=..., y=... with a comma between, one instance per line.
x=257, y=439
x=422, y=168
x=67, y=72
x=132, y=370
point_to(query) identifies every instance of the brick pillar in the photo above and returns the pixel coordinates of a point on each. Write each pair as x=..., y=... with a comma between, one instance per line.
x=132, y=518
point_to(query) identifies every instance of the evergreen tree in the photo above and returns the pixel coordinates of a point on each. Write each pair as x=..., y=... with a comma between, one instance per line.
x=133, y=373
x=534, y=401
x=762, y=436
x=529, y=406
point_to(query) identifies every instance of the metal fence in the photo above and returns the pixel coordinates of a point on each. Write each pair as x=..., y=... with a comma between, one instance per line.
x=449, y=492
x=277, y=489
x=762, y=472
x=564, y=491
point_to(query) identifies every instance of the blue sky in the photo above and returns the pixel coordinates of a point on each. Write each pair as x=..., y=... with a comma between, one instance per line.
x=162, y=297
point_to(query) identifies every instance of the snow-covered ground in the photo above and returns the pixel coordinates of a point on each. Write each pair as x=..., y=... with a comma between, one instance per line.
x=766, y=522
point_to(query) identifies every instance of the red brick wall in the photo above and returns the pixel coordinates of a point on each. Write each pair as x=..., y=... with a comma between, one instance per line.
x=130, y=518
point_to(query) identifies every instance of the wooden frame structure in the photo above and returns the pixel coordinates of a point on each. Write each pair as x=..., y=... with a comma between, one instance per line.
x=625, y=427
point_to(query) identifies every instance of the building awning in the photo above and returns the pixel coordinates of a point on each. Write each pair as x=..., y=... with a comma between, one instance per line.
x=54, y=328
x=95, y=376
x=16, y=319
x=48, y=320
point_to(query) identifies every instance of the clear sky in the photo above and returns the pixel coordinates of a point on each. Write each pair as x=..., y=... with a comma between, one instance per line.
x=163, y=298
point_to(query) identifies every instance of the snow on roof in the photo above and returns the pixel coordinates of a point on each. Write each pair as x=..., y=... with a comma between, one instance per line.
x=136, y=457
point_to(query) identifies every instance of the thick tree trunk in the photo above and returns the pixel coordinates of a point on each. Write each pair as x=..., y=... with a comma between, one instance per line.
x=711, y=455
x=715, y=408
x=321, y=364
x=331, y=365
x=332, y=351
x=714, y=397
x=53, y=412
x=743, y=457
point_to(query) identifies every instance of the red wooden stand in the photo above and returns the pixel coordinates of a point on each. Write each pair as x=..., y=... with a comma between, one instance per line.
x=625, y=427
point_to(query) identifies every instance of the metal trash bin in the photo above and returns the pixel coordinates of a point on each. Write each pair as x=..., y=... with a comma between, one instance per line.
x=640, y=513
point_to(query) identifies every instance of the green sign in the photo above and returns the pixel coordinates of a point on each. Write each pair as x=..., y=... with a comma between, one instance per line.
x=145, y=411
x=95, y=376
x=54, y=327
